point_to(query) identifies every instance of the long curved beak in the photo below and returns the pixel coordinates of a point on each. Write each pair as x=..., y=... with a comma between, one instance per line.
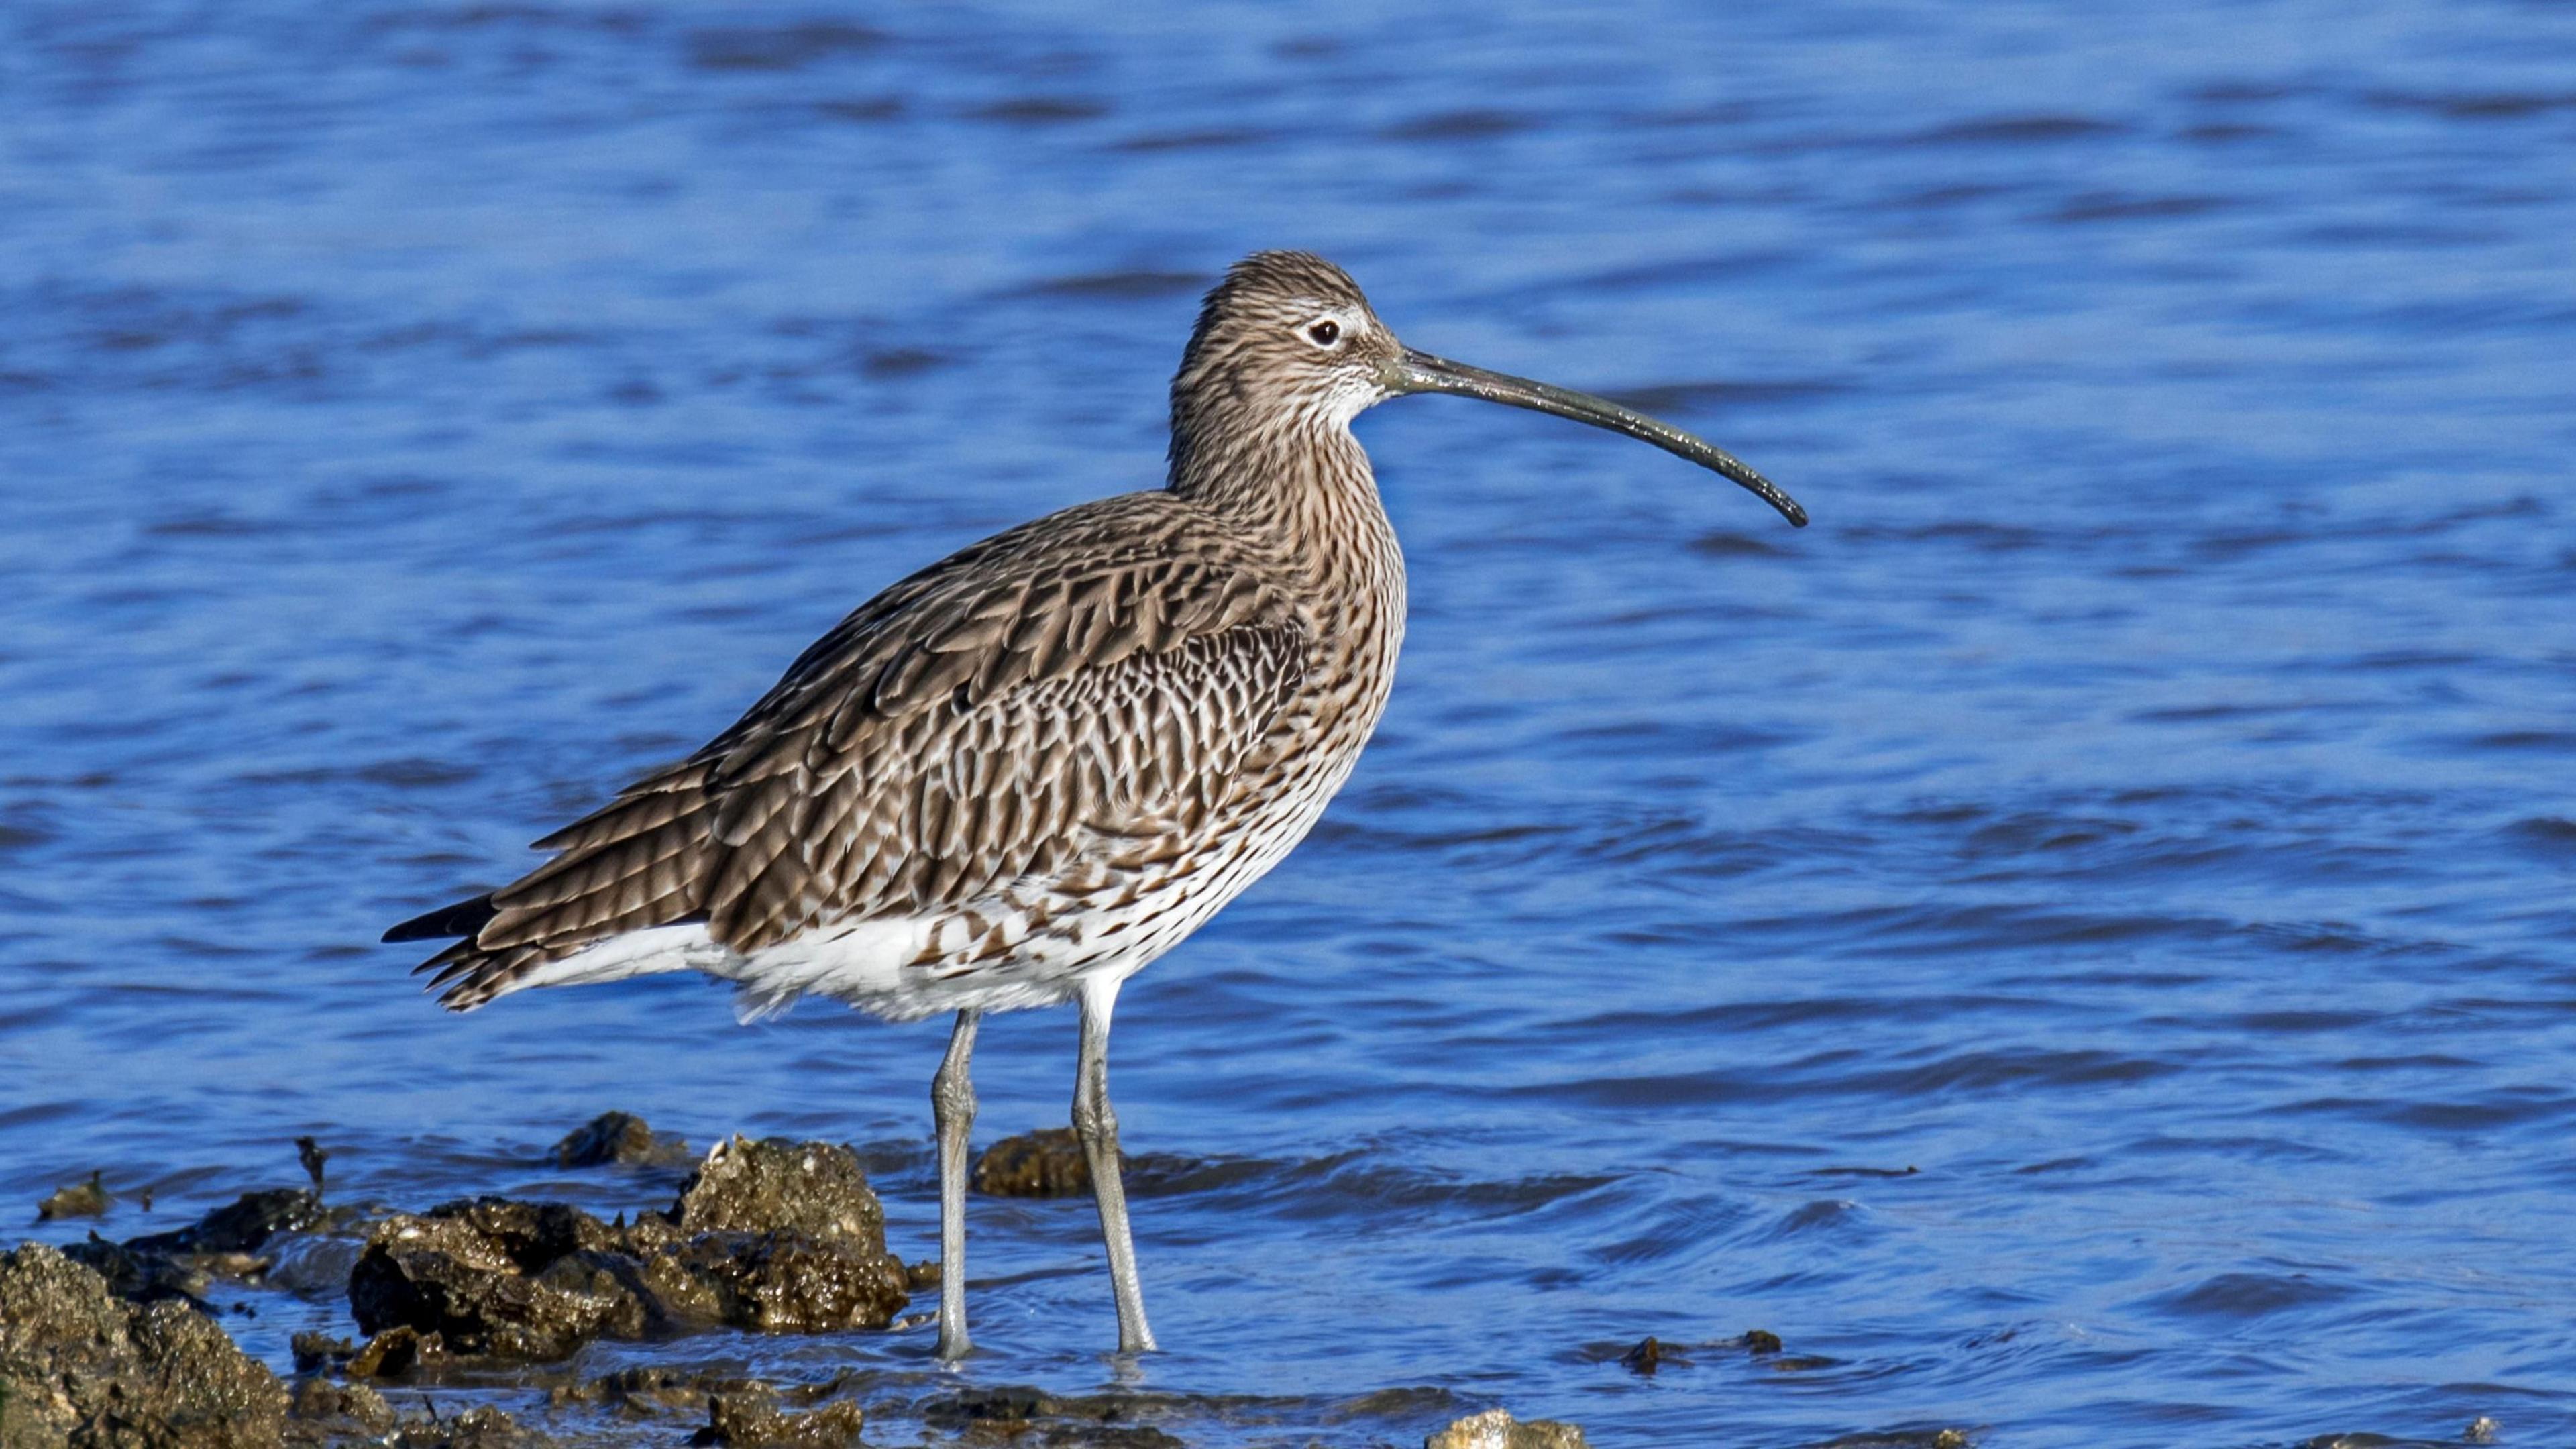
x=1418, y=371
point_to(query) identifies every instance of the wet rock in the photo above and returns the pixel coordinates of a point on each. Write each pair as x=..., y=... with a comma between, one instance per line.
x=2481, y=1430
x=464, y=1272
x=320, y=1351
x=478, y=1428
x=645, y=1391
x=1496, y=1429
x=1760, y=1340
x=615, y=1137
x=224, y=1244
x=1010, y=1404
x=922, y=1276
x=324, y=1411
x=754, y=1417
x=243, y=1226
x=312, y=1155
x=75, y=1360
x=812, y=1188
x=396, y=1352
x=783, y=1282
x=1019, y=1415
x=76, y=1200
x=1047, y=1163
x=1649, y=1355
x=777, y=1236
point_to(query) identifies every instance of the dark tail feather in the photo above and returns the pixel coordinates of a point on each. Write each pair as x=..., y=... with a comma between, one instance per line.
x=464, y=918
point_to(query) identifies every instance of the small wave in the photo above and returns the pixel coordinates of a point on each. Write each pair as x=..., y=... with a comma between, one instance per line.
x=2249, y=1295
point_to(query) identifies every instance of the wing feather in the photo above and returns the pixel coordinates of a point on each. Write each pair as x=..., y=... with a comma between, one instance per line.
x=1107, y=671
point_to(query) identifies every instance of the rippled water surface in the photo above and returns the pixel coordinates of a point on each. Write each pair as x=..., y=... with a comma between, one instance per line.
x=2076, y=942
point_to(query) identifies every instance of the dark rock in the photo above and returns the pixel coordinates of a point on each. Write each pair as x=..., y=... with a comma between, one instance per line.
x=462, y=1272
x=1107, y=1436
x=77, y=1200
x=324, y=1410
x=645, y=1391
x=320, y=1350
x=242, y=1226
x=1045, y=1163
x=777, y=1236
x=921, y=1276
x=753, y=1417
x=143, y=1278
x=477, y=1428
x=614, y=1137
x=1648, y=1356
x=313, y=1155
x=1761, y=1340
x=1011, y=1404
x=395, y=1352
x=76, y=1360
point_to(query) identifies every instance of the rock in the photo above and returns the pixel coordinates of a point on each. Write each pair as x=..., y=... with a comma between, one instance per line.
x=324, y=1410
x=753, y=1417
x=75, y=1359
x=777, y=1236
x=1496, y=1429
x=1761, y=1340
x=395, y=1352
x=312, y=1155
x=319, y=1351
x=1648, y=1356
x=243, y=1226
x=1010, y=1404
x=77, y=1200
x=462, y=1272
x=645, y=1391
x=614, y=1137
x=2481, y=1430
x=483, y=1427
x=812, y=1188
x=1021, y=1415
x=1046, y=1163
x=782, y=1282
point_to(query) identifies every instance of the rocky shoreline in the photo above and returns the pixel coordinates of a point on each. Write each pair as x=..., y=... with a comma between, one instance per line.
x=121, y=1343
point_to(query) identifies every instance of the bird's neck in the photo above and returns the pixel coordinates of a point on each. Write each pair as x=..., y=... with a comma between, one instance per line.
x=1306, y=489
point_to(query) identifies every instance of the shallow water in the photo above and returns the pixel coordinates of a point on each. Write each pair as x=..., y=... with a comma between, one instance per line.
x=2140, y=803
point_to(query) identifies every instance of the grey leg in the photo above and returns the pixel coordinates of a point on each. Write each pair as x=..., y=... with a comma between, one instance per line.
x=1097, y=1125
x=952, y=1104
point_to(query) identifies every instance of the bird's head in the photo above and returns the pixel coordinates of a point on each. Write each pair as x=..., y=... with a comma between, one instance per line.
x=1287, y=344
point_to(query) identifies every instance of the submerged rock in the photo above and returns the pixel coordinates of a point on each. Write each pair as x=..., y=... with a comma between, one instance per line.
x=225, y=1243
x=774, y=1235
x=326, y=1412
x=754, y=1418
x=1496, y=1429
x=78, y=1364
x=616, y=1137
x=1021, y=1415
x=76, y=1200
x=1047, y=1163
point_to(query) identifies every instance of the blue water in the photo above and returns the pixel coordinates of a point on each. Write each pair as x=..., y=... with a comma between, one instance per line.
x=2141, y=802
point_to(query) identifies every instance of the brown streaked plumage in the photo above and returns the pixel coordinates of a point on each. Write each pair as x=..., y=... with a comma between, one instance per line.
x=1021, y=774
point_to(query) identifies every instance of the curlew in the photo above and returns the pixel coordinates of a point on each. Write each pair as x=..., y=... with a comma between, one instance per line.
x=1022, y=774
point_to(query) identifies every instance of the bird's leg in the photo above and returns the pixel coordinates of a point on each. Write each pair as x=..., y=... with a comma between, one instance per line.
x=952, y=1104
x=1097, y=1125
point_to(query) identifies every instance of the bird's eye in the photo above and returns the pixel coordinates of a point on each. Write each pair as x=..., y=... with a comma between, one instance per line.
x=1324, y=332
